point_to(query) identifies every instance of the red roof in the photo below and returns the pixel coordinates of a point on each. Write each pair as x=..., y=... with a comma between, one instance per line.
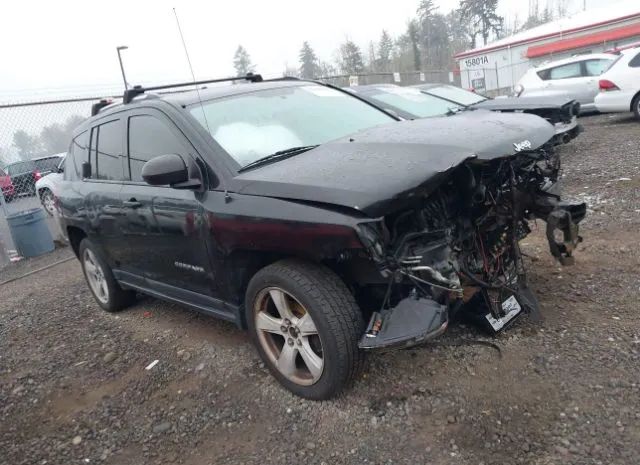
x=584, y=41
x=543, y=36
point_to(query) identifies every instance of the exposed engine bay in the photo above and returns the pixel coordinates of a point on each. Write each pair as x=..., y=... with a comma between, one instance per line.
x=459, y=249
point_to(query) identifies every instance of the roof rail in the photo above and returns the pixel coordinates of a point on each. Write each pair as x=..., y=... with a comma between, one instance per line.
x=130, y=94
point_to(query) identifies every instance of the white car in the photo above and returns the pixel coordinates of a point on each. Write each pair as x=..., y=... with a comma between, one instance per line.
x=46, y=187
x=576, y=78
x=620, y=85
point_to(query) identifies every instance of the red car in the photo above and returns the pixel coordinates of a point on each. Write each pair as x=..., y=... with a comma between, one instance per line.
x=8, y=190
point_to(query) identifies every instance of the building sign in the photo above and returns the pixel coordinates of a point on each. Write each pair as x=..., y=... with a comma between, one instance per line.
x=476, y=61
x=477, y=80
x=353, y=81
x=396, y=77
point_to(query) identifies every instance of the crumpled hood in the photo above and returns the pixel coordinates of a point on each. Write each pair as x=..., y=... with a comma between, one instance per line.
x=379, y=169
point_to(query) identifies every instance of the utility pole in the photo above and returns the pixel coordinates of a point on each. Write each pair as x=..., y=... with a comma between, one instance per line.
x=119, y=48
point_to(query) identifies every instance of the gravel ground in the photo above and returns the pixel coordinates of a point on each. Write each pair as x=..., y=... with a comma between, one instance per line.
x=74, y=388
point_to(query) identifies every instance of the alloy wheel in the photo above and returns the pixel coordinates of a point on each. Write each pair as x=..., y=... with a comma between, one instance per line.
x=49, y=203
x=288, y=335
x=95, y=276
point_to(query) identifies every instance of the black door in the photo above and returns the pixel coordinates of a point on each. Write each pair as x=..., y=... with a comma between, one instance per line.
x=101, y=191
x=163, y=228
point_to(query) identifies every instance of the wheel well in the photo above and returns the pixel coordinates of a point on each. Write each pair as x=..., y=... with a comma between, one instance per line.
x=75, y=237
x=250, y=262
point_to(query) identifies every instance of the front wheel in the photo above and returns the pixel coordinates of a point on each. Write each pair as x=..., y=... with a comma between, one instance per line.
x=306, y=325
x=636, y=107
x=48, y=201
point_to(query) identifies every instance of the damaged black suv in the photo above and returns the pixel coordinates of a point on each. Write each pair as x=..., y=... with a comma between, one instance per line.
x=310, y=217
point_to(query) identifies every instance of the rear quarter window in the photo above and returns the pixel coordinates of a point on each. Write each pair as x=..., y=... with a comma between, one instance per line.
x=79, y=152
x=635, y=61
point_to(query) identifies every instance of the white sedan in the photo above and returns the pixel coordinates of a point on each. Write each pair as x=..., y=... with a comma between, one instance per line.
x=575, y=78
x=46, y=188
x=620, y=85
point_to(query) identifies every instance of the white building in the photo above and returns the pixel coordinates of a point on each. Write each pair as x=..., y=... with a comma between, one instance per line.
x=499, y=65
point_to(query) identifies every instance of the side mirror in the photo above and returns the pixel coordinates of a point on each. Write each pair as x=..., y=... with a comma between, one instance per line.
x=169, y=170
x=86, y=170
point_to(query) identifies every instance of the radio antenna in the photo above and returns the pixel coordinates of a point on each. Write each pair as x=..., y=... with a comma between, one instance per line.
x=193, y=76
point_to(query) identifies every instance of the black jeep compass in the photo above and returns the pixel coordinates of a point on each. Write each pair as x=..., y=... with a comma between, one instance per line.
x=311, y=218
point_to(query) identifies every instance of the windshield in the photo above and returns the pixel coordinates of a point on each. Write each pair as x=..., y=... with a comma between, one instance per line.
x=253, y=125
x=456, y=94
x=412, y=101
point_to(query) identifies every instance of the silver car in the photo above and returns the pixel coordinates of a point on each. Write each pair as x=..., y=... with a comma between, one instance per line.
x=575, y=78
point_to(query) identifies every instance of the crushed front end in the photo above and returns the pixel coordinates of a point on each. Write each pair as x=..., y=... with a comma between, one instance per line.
x=458, y=248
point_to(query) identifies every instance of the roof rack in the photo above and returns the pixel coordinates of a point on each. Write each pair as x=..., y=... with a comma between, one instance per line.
x=130, y=94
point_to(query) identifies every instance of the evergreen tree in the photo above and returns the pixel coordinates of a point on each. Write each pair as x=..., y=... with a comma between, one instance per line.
x=28, y=146
x=351, y=58
x=309, y=66
x=412, y=33
x=385, y=50
x=242, y=62
x=483, y=18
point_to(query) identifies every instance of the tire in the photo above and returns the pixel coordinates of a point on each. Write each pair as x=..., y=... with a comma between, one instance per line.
x=108, y=293
x=47, y=200
x=313, y=292
x=636, y=107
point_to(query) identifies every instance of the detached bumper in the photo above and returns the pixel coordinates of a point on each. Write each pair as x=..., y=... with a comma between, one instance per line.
x=413, y=321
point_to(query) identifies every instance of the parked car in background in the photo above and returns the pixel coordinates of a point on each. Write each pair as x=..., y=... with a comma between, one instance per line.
x=620, y=85
x=428, y=100
x=47, y=187
x=299, y=211
x=575, y=78
x=25, y=173
x=8, y=189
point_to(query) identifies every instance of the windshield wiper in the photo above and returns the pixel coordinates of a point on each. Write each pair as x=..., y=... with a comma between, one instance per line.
x=279, y=155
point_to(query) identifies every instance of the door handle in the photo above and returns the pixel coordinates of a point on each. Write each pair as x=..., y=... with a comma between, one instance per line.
x=132, y=203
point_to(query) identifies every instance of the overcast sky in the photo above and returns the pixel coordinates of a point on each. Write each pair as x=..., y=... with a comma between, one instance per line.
x=68, y=46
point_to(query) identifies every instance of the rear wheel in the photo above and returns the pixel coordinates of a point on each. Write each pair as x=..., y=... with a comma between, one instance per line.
x=107, y=292
x=306, y=326
x=636, y=107
x=48, y=201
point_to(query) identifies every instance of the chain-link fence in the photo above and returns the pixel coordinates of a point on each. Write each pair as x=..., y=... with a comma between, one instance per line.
x=34, y=138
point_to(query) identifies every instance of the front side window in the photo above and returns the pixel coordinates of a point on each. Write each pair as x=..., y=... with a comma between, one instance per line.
x=256, y=124
x=572, y=70
x=412, y=101
x=596, y=67
x=149, y=137
x=108, y=151
x=456, y=94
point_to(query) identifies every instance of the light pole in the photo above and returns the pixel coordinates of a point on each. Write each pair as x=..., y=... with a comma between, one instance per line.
x=124, y=78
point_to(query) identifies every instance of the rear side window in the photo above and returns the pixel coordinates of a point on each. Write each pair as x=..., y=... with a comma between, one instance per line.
x=106, y=151
x=149, y=137
x=635, y=61
x=79, y=152
x=571, y=70
x=596, y=67
x=21, y=168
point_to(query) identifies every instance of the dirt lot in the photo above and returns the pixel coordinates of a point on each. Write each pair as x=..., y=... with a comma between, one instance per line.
x=74, y=388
